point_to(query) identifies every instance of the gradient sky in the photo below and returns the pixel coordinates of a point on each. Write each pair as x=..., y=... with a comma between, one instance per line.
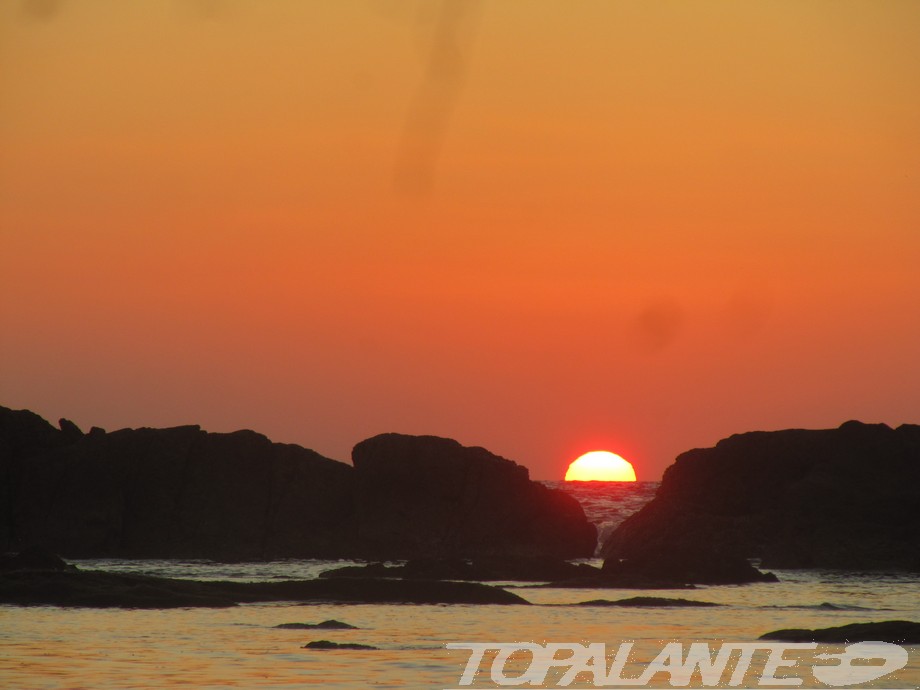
x=539, y=227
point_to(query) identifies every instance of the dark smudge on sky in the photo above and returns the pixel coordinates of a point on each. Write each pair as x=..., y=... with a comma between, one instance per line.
x=40, y=10
x=436, y=98
x=207, y=9
x=658, y=325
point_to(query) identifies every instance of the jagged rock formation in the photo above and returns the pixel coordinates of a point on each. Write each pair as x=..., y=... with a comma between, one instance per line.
x=430, y=496
x=186, y=493
x=178, y=492
x=836, y=498
x=71, y=586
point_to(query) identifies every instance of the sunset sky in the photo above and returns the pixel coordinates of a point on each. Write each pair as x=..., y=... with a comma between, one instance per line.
x=539, y=227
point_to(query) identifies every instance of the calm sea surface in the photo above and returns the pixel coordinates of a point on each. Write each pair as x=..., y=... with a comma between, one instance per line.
x=239, y=647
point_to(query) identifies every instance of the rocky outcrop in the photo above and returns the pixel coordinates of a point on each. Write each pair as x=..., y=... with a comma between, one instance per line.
x=648, y=603
x=331, y=624
x=186, y=493
x=897, y=632
x=428, y=496
x=326, y=644
x=503, y=569
x=96, y=589
x=179, y=492
x=838, y=498
x=683, y=564
x=32, y=559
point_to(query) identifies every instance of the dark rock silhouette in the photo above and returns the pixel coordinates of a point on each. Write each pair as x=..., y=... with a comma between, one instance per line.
x=74, y=587
x=602, y=581
x=178, y=492
x=648, y=602
x=424, y=496
x=186, y=493
x=897, y=632
x=33, y=559
x=685, y=563
x=326, y=644
x=325, y=625
x=837, y=498
x=505, y=569
x=70, y=431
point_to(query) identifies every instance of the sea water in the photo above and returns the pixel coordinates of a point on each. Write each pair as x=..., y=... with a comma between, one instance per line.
x=240, y=647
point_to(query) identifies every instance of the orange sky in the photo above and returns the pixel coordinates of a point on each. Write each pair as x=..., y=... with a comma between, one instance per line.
x=540, y=227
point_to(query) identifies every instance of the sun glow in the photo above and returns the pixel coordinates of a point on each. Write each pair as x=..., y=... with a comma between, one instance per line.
x=600, y=466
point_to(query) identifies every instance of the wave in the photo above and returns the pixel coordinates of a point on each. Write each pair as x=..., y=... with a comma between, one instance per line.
x=825, y=606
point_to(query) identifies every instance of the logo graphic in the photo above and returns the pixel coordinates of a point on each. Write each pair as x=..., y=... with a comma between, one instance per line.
x=846, y=673
x=557, y=665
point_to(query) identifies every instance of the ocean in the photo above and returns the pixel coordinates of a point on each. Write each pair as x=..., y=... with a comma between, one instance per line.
x=240, y=647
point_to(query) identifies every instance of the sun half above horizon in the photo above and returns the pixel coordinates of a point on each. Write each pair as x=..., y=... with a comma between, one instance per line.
x=600, y=466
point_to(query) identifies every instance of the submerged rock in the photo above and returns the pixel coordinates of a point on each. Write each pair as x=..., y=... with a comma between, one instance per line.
x=484, y=569
x=326, y=644
x=74, y=587
x=648, y=602
x=898, y=632
x=325, y=625
x=836, y=498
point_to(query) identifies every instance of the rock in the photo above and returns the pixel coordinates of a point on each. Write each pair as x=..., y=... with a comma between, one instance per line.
x=106, y=590
x=379, y=591
x=424, y=496
x=484, y=569
x=683, y=564
x=24, y=433
x=325, y=625
x=103, y=590
x=70, y=432
x=648, y=602
x=326, y=644
x=169, y=493
x=377, y=569
x=836, y=498
x=677, y=569
x=33, y=559
x=186, y=493
x=606, y=582
x=897, y=632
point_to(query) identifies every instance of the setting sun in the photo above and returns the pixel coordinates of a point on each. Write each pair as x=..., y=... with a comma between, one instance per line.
x=600, y=466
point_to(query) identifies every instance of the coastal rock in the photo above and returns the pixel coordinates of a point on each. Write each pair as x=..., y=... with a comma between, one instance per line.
x=326, y=644
x=93, y=589
x=70, y=432
x=325, y=625
x=683, y=564
x=33, y=559
x=838, y=498
x=649, y=602
x=425, y=496
x=24, y=433
x=601, y=581
x=97, y=589
x=174, y=493
x=897, y=632
x=185, y=493
x=481, y=569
